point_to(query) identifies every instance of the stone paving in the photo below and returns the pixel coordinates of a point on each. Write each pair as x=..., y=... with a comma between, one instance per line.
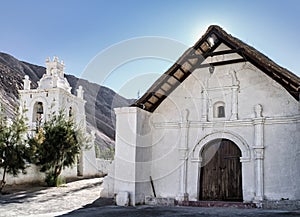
x=29, y=200
x=81, y=198
x=150, y=211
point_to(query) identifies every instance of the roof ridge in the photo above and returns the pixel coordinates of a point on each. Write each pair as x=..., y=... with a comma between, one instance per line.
x=190, y=60
x=253, y=49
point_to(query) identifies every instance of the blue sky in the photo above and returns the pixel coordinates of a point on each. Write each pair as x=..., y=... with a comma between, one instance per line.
x=78, y=31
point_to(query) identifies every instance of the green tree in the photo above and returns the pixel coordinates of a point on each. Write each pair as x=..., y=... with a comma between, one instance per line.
x=56, y=146
x=14, y=150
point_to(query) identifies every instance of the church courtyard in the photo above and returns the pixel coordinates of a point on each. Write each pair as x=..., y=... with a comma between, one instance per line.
x=81, y=198
x=25, y=200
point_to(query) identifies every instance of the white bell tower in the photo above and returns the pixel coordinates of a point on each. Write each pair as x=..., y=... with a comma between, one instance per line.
x=52, y=95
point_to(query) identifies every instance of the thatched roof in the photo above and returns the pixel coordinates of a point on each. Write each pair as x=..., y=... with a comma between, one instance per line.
x=194, y=57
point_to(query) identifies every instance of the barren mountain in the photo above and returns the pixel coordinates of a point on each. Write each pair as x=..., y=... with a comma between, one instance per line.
x=100, y=100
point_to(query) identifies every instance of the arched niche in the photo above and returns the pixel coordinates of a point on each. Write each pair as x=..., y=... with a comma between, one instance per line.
x=239, y=141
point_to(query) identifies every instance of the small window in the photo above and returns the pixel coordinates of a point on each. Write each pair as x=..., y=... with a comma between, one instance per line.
x=70, y=112
x=38, y=114
x=221, y=112
x=40, y=109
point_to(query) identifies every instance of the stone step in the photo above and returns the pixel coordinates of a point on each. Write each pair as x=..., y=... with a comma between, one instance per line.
x=215, y=204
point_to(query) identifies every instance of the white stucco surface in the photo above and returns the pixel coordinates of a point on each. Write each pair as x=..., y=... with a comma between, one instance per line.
x=53, y=95
x=261, y=118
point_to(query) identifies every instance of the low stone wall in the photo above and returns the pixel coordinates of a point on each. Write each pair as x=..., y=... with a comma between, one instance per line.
x=107, y=188
x=159, y=201
x=103, y=166
x=33, y=175
x=282, y=204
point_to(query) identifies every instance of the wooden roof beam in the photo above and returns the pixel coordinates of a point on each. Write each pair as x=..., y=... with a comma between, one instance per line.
x=224, y=52
x=221, y=63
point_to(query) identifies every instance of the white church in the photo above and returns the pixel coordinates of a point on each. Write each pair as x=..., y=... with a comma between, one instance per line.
x=222, y=124
x=52, y=95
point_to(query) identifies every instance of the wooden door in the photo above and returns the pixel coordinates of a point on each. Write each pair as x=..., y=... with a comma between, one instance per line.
x=221, y=173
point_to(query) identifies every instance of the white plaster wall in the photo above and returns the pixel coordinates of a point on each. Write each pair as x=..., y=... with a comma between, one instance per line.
x=33, y=175
x=70, y=172
x=258, y=88
x=282, y=178
x=90, y=166
x=104, y=166
x=254, y=88
x=54, y=99
x=133, y=153
x=125, y=150
x=166, y=163
x=143, y=156
x=109, y=182
x=240, y=87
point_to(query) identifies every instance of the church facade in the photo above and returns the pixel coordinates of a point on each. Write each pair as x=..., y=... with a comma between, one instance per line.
x=221, y=124
x=53, y=95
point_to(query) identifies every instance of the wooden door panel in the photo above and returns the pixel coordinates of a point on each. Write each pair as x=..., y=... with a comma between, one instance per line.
x=221, y=173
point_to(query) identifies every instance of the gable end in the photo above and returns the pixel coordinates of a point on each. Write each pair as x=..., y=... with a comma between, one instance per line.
x=195, y=56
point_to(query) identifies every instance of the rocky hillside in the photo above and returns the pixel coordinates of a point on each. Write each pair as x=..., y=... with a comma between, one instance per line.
x=100, y=100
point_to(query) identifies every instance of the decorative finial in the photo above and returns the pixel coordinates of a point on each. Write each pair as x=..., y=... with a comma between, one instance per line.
x=55, y=59
x=185, y=115
x=80, y=92
x=258, y=110
x=26, y=83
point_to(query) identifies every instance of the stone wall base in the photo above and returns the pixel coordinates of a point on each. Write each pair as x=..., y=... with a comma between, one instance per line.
x=281, y=204
x=159, y=201
x=216, y=204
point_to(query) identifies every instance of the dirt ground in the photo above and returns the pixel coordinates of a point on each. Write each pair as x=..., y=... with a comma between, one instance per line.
x=82, y=198
x=26, y=200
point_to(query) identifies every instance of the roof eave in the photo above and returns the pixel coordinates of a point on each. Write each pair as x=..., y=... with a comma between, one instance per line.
x=287, y=79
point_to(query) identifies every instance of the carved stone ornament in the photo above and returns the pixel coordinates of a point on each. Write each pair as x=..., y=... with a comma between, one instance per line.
x=258, y=110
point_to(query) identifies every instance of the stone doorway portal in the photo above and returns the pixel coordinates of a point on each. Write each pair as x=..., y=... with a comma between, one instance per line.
x=221, y=172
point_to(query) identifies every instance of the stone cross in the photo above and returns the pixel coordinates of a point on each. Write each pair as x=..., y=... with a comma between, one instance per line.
x=26, y=83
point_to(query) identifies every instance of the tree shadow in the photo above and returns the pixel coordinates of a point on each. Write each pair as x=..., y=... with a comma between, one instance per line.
x=20, y=193
x=100, y=202
x=71, y=191
x=24, y=192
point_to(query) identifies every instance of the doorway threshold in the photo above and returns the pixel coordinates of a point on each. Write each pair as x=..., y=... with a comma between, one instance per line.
x=216, y=204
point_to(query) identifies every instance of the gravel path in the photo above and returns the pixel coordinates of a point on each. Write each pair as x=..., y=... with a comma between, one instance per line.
x=43, y=201
x=81, y=199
